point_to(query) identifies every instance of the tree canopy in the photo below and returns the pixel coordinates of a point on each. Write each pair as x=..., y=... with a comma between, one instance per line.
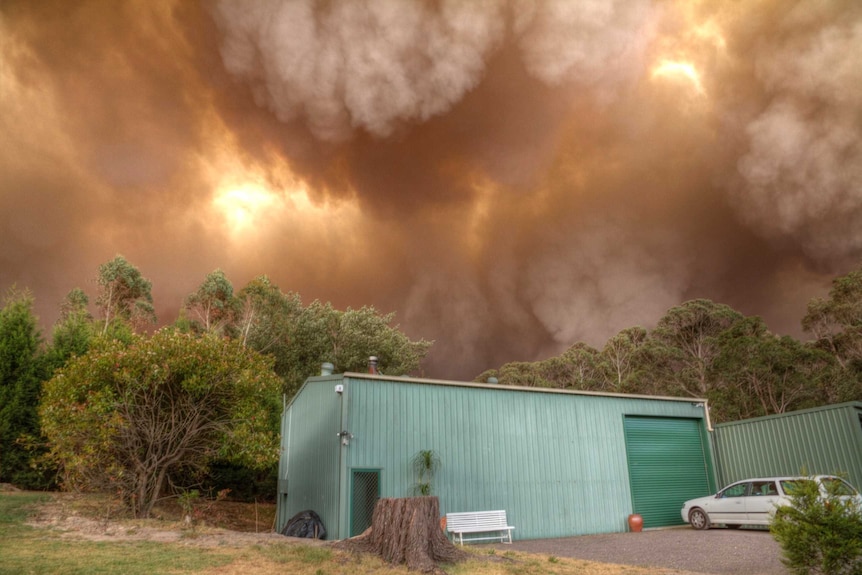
x=836, y=321
x=212, y=306
x=73, y=331
x=125, y=412
x=124, y=294
x=708, y=350
x=298, y=337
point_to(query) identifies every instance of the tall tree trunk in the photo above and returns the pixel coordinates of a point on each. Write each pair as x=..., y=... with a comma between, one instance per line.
x=407, y=530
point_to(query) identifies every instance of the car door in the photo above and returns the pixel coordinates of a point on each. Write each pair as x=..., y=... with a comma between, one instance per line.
x=729, y=504
x=760, y=502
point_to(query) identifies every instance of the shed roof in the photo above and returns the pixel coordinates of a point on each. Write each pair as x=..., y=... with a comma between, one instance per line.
x=500, y=387
x=845, y=405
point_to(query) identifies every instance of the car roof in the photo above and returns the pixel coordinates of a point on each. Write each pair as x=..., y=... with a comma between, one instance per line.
x=784, y=478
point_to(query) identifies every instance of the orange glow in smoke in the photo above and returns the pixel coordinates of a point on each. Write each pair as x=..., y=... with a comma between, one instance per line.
x=671, y=69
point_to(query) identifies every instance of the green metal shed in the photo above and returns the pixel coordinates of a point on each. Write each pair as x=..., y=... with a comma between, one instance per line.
x=822, y=440
x=559, y=462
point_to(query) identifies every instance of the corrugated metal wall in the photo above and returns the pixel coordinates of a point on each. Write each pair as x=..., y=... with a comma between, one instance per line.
x=555, y=462
x=821, y=440
x=309, y=467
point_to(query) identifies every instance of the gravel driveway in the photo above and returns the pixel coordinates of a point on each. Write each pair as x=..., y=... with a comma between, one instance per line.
x=715, y=551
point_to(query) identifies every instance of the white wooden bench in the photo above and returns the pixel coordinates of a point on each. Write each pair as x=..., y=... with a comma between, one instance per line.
x=479, y=522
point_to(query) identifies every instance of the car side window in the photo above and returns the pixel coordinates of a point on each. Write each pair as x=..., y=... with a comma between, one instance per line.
x=763, y=488
x=738, y=490
x=792, y=486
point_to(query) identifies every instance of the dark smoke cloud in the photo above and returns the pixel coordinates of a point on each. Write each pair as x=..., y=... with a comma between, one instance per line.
x=510, y=177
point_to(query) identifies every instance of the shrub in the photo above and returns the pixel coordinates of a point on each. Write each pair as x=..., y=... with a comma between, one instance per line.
x=820, y=533
x=130, y=418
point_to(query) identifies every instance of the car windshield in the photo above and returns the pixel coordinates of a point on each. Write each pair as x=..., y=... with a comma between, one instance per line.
x=837, y=486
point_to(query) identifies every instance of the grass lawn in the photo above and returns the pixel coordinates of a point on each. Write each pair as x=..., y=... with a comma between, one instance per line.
x=26, y=549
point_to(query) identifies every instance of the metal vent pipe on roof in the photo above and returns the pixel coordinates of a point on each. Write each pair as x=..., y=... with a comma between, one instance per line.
x=372, y=364
x=327, y=369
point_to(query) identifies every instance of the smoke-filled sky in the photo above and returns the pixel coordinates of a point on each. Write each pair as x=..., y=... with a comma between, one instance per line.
x=509, y=177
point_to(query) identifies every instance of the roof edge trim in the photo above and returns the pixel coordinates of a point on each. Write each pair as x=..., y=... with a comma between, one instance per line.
x=497, y=386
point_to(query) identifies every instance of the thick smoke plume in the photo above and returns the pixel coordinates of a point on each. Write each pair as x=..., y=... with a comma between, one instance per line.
x=803, y=166
x=509, y=176
x=371, y=65
x=358, y=64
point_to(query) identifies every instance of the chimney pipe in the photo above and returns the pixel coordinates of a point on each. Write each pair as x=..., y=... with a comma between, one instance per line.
x=372, y=364
x=327, y=369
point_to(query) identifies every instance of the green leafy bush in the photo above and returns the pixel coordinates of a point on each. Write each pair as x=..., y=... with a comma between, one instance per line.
x=820, y=533
x=130, y=418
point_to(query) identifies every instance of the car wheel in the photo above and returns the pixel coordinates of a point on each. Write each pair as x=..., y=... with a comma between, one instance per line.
x=733, y=526
x=698, y=519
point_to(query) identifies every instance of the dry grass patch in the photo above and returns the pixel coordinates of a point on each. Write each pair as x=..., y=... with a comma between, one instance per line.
x=75, y=535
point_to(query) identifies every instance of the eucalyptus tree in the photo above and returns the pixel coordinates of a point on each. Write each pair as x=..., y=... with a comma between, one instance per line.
x=684, y=345
x=356, y=334
x=523, y=373
x=347, y=338
x=124, y=294
x=528, y=374
x=559, y=372
x=575, y=368
x=265, y=315
x=301, y=338
x=213, y=308
x=836, y=321
x=583, y=366
x=760, y=373
x=836, y=324
x=621, y=359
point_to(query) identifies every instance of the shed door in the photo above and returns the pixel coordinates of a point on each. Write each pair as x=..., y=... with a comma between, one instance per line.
x=364, y=493
x=667, y=465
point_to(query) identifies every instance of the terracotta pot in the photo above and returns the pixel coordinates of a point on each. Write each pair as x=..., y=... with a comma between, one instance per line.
x=636, y=523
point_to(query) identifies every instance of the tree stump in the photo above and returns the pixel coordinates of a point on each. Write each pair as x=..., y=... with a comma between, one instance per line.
x=407, y=530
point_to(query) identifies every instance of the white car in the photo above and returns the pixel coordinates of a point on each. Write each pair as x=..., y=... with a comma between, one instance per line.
x=753, y=501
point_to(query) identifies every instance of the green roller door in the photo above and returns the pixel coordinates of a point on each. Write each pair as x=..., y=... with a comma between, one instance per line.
x=667, y=465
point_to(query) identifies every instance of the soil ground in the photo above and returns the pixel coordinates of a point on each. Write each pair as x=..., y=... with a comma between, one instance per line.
x=213, y=524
